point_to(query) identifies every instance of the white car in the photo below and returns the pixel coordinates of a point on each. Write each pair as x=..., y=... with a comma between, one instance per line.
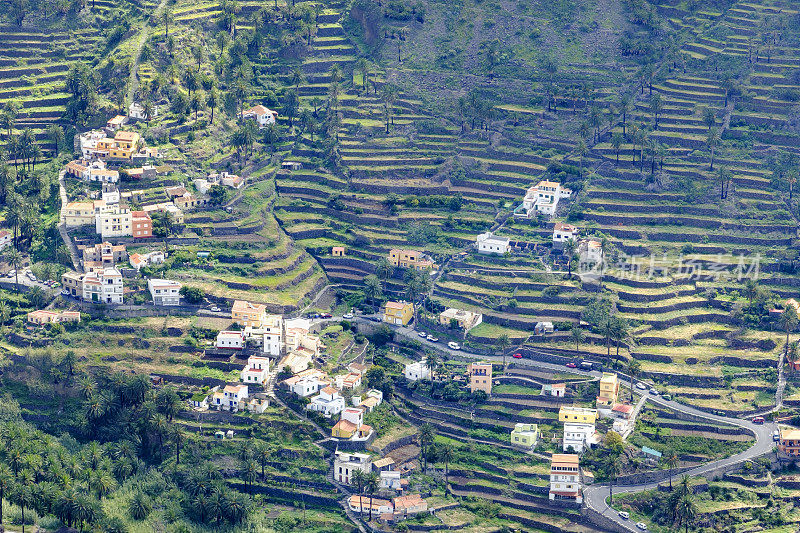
x=624, y=515
x=432, y=338
x=654, y=392
x=422, y=334
x=642, y=526
x=216, y=309
x=454, y=345
x=641, y=386
x=11, y=273
x=347, y=316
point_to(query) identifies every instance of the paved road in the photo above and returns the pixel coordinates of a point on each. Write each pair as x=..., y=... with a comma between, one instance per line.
x=595, y=496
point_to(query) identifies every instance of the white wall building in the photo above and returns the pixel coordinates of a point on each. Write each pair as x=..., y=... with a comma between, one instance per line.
x=563, y=233
x=328, y=402
x=542, y=198
x=590, y=251
x=256, y=370
x=344, y=464
x=164, y=291
x=416, y=371
x=232, y=340
x=114, y=221
x=262, y=115
x=565, y=478
x=577, y=437
x=103, y=286
x=487, y=243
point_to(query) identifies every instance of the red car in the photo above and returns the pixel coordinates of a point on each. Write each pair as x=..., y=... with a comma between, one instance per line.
x=517, y=356
x=572, y=365
x=326, y=315
x=758, y=420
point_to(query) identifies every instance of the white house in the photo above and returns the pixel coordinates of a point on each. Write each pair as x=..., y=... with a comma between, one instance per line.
x=590, y=251
x=487, y=243
x=362, y=505
x=417, y=371
x=256, y=370
x=348, y=381
x=390, y=480
x=103, y=286
x=344, y=464
x=262, y=115
x=138, y=261
x=542, y=198
x=565, y=478
x=232, y=340
x=307, y=382
x=136, y=110
x=5, y=238
x=228, y=399
x=563, y=233
x=114, y=221
x=164, y=291
x=328, y=402
x=579, y=436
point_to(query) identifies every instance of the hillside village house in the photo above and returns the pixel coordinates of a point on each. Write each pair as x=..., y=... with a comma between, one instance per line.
x=230, y=340
x=256, y=370
x=164, y=292
x=182, y=198
x=263, y=116
x=120, y=148
x=578, y=437
x=609, y=389
x=417, y=370
x=228, y=398
x=137, y=111
x=138, y=261
x=255, y=403
x=409, y=505
x=104, y=254
x=488, y=243
x=480, y=377
x=345, y=464
x=398, y=313
x=565, y=478
x=46, y=316
x=337, y=251
x=81, y=213
x=224, y=179
x=272, y=330
x=91, y=171
x=142, y=225
x=307, y=382
x=351, y=380
x=555, y=389
x=165, y=207
x=525, y=435
x=789, y=442
x=580, y=415
x=366, y=505
x=351, y=426
x=465, y=320
x=114, y=221
x=542, y=198
x=328, y=402
x=248, y=314
x=372, y=399
x=563, y=233
x=116, y=122
x=110, y=194
x=590, y=251
x=410, y=259
x=103, y=286
x=5, y=238
x=72, y=282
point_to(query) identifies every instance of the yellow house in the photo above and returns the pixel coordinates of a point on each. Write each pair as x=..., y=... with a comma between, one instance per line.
x=609, y=389
x=410, y=259
x=581, y=415
x=248, y=314
x=525, y=435
x=480, y=377
x=122, y=146
x=398, y=313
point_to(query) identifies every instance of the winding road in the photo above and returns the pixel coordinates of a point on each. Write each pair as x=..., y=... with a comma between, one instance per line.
x=595, y=496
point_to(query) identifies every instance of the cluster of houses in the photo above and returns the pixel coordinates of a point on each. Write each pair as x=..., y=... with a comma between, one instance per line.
x=411, y=259
x=392, y=504
x=478, y=374
x=47, y=316
x=589, y=250
x=542, y=198
x=232, y=397
x=224, y=179
x=325, y=397
x=102, y=281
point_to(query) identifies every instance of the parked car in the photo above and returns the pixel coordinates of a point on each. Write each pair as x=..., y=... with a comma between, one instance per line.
x=374, y=318
x=642, y=526
x=422, y=334
x=624, y=515
x=641, y=386
x=517, y=355
x=432, y=338
x=667, y=396
x=326, y=315
x=653, y=391
x=571, y=365
x=454, y=345
x=12, y=273
x=30, y=275
x=758, y=420
x=776, y=435
x=347, y=316
x=65, y=292
x=586, y=365
x=216, y=309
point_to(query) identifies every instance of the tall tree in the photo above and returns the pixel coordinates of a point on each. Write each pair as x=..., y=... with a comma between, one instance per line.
x=577, y=335
x=713, y=140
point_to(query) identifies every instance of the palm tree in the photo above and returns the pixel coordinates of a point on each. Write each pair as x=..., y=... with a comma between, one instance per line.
x=569, y=251
x=634, y=367
x=788, y=322
x=713, y=140
x=446, y=455
x=503, y=342
x=612, y=467
x=656, y=107
x=686, y=510
x=263, y=456
x=14, y=258
x=212, y=101
x=672, y=461
x=362, y=66
x=166, y=18
x=23, y=497
x=582, y=150
x=6, y=478
x=358, y=479
x=426, y=434
x=624, y=107
x=249, y=474
x=577, y=335
x=371, y=486
x=616, y=143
